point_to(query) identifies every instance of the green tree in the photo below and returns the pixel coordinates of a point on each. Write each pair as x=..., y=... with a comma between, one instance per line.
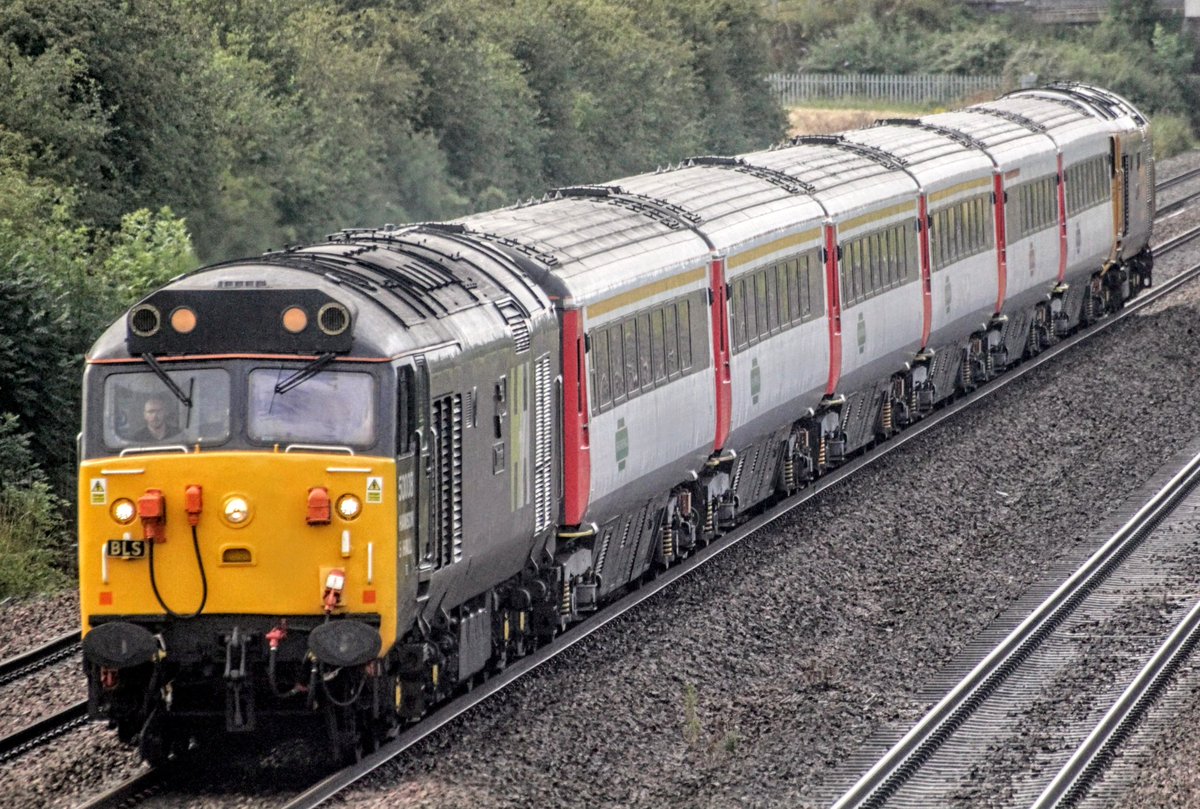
x=113, y=100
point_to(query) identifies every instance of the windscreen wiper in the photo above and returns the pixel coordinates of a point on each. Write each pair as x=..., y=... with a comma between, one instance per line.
x=166, y=380
x=305, y=373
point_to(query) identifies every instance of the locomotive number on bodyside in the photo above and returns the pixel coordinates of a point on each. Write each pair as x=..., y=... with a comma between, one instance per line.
x=125, y=548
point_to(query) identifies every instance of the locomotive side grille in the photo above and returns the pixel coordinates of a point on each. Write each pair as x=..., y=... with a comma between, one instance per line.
x=447, y=418
x=543, y=441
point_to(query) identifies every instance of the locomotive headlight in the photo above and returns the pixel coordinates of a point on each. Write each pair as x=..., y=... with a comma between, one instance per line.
x=348, y=506
x=236, y=511
x=123, y=511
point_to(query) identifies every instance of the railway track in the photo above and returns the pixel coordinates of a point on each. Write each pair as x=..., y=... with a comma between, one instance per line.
x=1178, y=179
x=153, y=781
x=910, y=775
x=22, y=665
x=1166, y=209
x=49, y=728
x=1092, y=756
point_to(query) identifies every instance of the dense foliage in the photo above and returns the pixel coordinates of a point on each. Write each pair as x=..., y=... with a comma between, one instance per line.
x=1132, y=51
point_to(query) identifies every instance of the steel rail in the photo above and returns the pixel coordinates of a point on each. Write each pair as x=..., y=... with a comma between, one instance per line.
x=43, y=731
x=1177, y=205
x=1092, y=757
x=48, y=653
x=1171, y=182
x=337, y=782
x=130, y=792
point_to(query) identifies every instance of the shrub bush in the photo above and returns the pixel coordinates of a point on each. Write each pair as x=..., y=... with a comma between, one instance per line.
x=1172, y=135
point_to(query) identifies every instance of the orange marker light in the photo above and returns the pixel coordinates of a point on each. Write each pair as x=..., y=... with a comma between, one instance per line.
x=183, y=320
x=318, y=506
x=295, y=320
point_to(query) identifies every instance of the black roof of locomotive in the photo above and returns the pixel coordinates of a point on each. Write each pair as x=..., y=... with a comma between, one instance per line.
x=405, y=290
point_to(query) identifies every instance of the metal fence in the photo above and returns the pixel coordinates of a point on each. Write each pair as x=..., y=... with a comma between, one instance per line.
x=924, y=88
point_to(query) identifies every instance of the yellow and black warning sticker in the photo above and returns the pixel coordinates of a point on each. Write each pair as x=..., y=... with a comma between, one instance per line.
x=374, y=490
x=98, y=490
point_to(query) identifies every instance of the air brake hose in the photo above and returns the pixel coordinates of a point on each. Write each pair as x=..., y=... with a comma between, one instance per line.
x=203, y=580
x=333, y=700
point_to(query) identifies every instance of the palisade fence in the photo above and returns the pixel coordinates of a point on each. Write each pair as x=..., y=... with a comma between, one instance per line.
x=917, y=88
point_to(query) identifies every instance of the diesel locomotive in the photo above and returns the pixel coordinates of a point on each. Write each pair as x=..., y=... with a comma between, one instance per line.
x=335, y=484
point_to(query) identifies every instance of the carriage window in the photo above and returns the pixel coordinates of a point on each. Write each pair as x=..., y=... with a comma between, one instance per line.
x=672, y=340
x=600, y=371
x=752, y=327
x=806, y=265
x=795, y=304
x=645, y=374
x=736, y=315
x=616, y=362
x=631, y=357
x=772, y=297
x=685, y=335
x=140, y=410
x=872, y=255
x=656, y=345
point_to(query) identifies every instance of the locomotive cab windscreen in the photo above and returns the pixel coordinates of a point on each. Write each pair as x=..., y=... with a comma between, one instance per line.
x=236, y=404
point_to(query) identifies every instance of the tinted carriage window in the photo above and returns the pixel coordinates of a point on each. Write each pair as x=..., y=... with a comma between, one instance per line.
x=795, y=299
x=645, y=372
x=631, y=357
x=737, y=315
x=656, y=346
x=685, y=335
x=600, y=373
x=670, y=332
x=616, y=361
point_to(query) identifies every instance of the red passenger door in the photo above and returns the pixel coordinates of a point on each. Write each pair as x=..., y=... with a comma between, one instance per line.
x=834, y=301
x=577, y=461
x=998, y=196
x=720, y=330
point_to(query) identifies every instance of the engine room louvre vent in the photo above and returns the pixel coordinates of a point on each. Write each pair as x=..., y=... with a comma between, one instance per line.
x=543, y=465
x=448, y=479
x=518, y=323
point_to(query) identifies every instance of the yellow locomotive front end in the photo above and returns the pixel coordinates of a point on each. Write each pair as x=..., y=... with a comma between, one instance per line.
x=242, y=553
x=293, y=535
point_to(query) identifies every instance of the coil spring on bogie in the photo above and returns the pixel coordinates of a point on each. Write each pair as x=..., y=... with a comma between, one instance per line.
x=887, y=414
x=565, y=606
x=821, y=456
x=708, y=518
x=668, y=542
x=965, y=371
x=789, y=472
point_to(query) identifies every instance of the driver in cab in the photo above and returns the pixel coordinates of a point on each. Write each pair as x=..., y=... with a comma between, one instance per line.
x=157, y=425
